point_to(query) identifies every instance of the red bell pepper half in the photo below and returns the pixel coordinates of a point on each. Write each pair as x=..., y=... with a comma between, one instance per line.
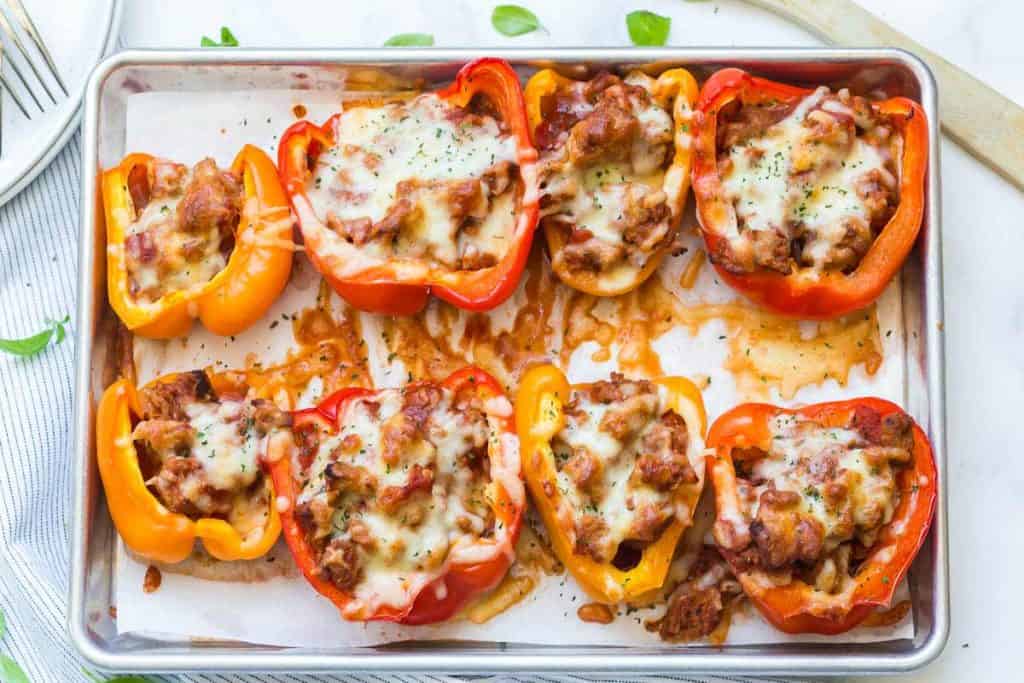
x=473, y=571
x=797, y=607
x=401, y=286
x=800, y=294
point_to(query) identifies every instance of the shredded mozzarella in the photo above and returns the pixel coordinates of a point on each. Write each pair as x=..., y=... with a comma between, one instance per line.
x=778, y=178
x=421, y=140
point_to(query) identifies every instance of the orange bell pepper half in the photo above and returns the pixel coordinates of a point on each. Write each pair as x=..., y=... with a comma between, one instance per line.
x=236, y=297
x=543, y=392
x=806, y=294
x=798, y=607
x=401, y=285
x=146, y=526
x=460, y=581
x=676, y=90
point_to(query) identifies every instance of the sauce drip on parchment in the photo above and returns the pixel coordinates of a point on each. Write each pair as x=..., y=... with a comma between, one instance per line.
x=329, y=350
x=545, y=321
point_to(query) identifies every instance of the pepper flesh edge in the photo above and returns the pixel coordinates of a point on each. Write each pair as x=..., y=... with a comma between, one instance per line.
x=459, y=582
x=147, y=527
x=799, y=294
x=679, y=87
x=238, y=295
x=798, y=607
x=401, y=286
x=539, y=417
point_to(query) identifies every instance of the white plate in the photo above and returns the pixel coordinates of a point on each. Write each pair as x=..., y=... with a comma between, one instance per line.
x=78, y=35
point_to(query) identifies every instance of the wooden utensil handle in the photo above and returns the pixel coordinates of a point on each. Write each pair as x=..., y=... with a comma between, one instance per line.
x=985, y=123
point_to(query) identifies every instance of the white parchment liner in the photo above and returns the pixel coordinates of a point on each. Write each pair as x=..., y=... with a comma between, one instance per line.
x=285, y=611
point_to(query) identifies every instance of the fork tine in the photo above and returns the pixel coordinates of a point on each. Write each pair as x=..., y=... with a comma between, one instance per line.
x=4, y=85
x=21, y=77
x=19, y=11
x=12, y=35
x=6, y=28
x=10, y=91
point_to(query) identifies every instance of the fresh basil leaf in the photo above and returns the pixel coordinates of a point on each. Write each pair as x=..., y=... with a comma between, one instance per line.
x=29, y=346
x=58, y=327
x=227, y=38
x=410, y=40
x=513, y=20
x=647, y=28
x=10, y=672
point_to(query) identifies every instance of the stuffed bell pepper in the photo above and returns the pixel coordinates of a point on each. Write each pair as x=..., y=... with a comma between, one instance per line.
x=809, y=200
x=615, y=469
x=436, y=193
x=614, y=172
x=821, y=509
x=179, y=462
x=203, y=243
x=403, y=504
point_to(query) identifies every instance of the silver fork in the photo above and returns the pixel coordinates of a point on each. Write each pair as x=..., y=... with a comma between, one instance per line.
x=28, y=27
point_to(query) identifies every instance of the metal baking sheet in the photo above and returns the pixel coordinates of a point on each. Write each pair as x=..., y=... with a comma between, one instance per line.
x=91, y=627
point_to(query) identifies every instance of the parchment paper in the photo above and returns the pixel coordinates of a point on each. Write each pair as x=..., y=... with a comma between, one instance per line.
x=286, y=611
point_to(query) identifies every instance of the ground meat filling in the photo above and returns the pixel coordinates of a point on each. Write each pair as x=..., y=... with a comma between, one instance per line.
x=812, y=183
x=697, y=605
x=605, y=144
x=389, y=495
x=817, y=501
x=184, y=226
x=620, y=459
x=198, y=452
x=420, y=179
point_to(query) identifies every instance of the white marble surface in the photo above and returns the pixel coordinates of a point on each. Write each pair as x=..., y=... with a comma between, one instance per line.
x=983, y=238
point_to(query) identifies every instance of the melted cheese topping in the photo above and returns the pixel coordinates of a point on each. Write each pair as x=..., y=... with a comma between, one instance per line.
x=799, y=448
x=781, y=178
x=226, y=447
x=598, y=204
x=622, y=497
x=422, y=141
x=592, y=196
x=223, y=440
x=406, y=553
x=172, y=270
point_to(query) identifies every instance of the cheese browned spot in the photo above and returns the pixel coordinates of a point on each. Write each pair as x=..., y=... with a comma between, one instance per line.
x=620, y=459
x=184, y=227
x=811, y=185
x=420, y=179
x=402, y=487
x=198, y=452
x=816, y=501
x=606, y=144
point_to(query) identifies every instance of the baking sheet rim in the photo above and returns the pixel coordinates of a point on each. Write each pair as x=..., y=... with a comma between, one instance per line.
x=500, y=657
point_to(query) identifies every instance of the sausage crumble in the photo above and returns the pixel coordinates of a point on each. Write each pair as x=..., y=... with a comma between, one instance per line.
x=621, y=458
